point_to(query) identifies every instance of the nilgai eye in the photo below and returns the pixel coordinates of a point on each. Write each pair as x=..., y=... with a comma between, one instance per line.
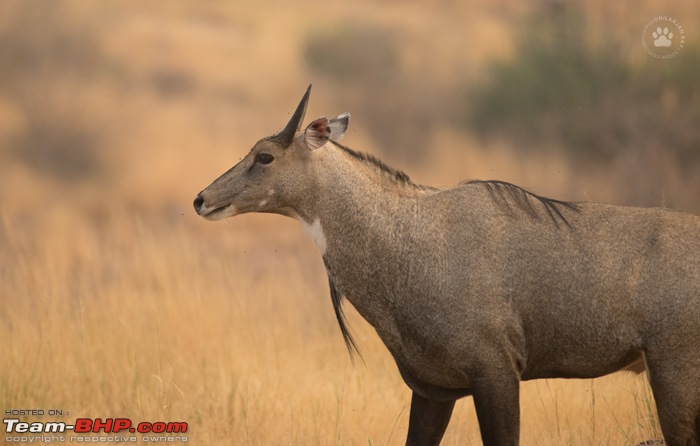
x=264, y=158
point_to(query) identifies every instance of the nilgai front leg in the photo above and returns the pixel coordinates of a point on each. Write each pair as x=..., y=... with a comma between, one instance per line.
x=428, y=421
x=497, y=403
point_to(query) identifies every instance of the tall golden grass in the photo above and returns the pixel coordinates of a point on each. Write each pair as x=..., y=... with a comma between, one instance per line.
x=230, y=328
x=117, y=301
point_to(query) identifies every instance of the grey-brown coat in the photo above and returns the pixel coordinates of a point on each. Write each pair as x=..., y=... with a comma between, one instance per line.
x=475, y=288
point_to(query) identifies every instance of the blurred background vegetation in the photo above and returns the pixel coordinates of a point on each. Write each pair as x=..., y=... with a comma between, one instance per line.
x=122, y=100
x=574, y=88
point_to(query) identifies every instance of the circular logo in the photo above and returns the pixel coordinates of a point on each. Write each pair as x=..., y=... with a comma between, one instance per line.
x=663, y=37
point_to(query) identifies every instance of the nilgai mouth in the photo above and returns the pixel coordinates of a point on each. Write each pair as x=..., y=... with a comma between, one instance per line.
x=215, y=214
x=211, y=214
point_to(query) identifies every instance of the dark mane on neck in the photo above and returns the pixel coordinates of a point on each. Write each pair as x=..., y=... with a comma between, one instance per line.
x=396, y=175
x=505, y=194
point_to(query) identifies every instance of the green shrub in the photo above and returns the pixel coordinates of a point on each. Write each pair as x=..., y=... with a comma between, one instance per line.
x=564, y=89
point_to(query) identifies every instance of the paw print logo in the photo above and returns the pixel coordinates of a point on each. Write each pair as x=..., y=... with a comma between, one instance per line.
x=662, y=37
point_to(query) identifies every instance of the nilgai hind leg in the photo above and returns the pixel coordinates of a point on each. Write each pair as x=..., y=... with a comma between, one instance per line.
x=675, y=383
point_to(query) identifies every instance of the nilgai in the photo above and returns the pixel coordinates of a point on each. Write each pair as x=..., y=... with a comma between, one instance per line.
x=478, y=287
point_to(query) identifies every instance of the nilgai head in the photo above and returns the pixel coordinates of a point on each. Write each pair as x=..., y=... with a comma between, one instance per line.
x=277, y=172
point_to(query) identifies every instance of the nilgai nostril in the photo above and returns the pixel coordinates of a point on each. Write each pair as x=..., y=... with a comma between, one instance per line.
x=478, y=287
x=198, y=202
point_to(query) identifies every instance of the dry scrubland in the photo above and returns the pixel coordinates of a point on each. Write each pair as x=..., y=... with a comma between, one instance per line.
x=117, y=301
x=232, y=332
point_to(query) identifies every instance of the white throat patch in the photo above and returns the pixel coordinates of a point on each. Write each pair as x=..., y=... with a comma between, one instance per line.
x=315, y=232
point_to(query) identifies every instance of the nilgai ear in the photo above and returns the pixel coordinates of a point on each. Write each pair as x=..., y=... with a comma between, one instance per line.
x=317, y=133
x=339, y=125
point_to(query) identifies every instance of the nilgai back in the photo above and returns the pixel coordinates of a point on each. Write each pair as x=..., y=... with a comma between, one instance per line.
x=478, y=287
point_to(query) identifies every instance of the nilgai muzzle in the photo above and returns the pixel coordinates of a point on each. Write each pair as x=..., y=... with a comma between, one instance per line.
x=478, y=287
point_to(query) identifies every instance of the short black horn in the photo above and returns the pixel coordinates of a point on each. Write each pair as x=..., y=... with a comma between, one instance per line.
x=286, y=135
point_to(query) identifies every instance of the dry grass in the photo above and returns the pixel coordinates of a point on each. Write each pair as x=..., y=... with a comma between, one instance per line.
x=230, y=328
x=117, y=301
